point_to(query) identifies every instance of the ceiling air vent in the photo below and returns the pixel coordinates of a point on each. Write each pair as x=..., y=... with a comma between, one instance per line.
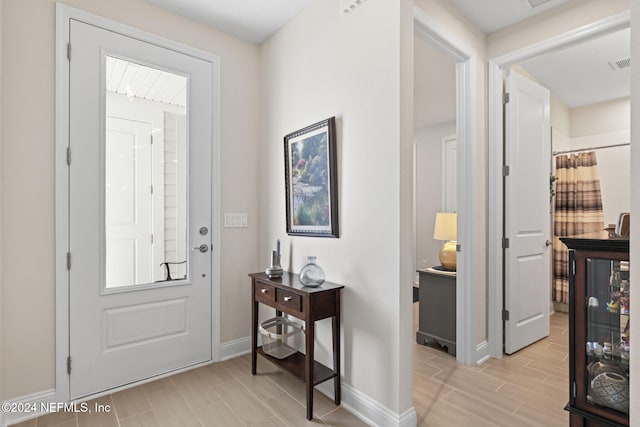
x=350, y=5
x=620, y=64
x=535, y=3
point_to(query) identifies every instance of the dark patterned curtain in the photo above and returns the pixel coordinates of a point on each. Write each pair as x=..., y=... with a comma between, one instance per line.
x=578, y=210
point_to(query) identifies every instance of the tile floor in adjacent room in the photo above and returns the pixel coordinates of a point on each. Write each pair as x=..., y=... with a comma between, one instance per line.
x=526, y=389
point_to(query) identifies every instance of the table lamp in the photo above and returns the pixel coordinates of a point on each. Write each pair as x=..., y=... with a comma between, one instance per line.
x=445, y=229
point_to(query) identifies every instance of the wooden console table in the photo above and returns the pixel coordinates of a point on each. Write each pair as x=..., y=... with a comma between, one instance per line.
x=286, y=294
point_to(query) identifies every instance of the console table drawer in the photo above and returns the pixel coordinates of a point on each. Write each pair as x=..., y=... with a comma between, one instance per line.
x=265, y=292
x=288, y=300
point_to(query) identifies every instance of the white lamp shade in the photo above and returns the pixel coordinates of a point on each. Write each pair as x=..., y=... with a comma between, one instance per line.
x=446, y=226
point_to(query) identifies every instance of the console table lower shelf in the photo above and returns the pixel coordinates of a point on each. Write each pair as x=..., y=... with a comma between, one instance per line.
x=287, y=295
x=295, y=364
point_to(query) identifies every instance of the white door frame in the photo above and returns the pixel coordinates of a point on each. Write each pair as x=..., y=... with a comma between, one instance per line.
x=467, y=349
x=63, y=15
x=496, y=68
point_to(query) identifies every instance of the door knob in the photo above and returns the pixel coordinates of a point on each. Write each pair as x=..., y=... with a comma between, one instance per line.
x=547, y=243
x=202, y=248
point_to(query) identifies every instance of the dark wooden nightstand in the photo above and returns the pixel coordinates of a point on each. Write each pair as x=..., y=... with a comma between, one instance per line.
x=437, y=318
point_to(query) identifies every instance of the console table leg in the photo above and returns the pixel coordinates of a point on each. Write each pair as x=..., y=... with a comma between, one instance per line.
x=335, y=326
x=254, y=334
x=309, y=360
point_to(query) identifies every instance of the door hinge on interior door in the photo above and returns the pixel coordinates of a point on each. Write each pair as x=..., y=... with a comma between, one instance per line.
x=68, y=260
x=69, y=365
x=68, y=156
x=505, y=243
x=505, y=98
x=505, y=315
x=69, y=51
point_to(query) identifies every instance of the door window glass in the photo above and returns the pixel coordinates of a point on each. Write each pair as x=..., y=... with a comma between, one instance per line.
x=145, y=174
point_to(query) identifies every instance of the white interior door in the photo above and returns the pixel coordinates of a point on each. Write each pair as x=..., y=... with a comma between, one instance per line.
x=125, y=326
x=527, y=213
x=128, y=202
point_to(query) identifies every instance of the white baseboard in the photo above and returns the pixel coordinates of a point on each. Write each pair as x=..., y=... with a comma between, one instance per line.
x=35, y=402
x=235, y=348
x=369, y=410
x=482, y=352
x=356, y=402
x=364, y=407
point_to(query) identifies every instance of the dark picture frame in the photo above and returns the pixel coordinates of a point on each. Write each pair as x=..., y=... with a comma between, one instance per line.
x=311, y=180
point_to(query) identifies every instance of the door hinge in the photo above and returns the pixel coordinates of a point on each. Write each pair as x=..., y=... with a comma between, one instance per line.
x=505, y=170
x=68, y=156
x=69, y=51
x=573, y=267
x=505, y=243
x=458, y=247
x=68, y=260
x=152, y=238
x=505, y=98
x=69, y=365
x=574, y=390
x=151, y=188
x=505, y=315
x=151, y=136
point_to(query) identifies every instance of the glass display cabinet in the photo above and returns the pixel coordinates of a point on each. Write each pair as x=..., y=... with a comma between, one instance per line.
x=599, y=313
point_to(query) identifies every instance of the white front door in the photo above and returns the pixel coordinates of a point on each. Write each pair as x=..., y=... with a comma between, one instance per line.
x=527, y=289
x=126, y=323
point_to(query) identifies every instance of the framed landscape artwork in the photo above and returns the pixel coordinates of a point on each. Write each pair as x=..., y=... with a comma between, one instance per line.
x=311, y=180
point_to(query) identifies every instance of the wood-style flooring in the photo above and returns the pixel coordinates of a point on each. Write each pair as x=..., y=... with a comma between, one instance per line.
x=526, y=389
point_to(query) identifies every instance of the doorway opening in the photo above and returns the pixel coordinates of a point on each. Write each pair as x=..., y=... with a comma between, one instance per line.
x=565, y=137
x=435, y=179
x=468, y=351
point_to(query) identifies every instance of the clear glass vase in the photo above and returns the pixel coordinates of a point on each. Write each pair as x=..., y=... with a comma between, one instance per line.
x=311, y=274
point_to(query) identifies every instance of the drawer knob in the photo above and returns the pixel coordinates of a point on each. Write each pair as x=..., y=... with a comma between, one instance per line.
x=287, y=299
x=264, y=291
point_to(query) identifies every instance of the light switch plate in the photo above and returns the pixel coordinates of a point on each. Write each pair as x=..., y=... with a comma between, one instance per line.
x=236, y=220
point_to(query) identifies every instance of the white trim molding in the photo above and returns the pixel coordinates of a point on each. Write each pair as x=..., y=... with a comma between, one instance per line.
x=466, y=187
x=63, y=16
x=496, y=69
x=35, y=403
x=235, y=348
x=482, y=352
x=369, y=410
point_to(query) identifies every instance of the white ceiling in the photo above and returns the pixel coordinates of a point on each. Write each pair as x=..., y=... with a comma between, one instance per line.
x=581, y=75
x=493, y=15
x=578, y=76
x=251, y=20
